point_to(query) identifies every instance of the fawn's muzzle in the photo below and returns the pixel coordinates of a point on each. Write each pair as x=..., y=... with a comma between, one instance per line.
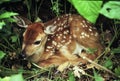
x=22, y=55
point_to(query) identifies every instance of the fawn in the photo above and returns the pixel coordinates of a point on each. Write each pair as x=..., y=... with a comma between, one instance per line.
x=60, y=40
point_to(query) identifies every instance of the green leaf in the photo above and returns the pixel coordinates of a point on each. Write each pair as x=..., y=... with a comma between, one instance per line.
x=17, y=77
x=97, y=77
x=108, y=63
x=117, y=71
x=111, y=10
x=5, y=79
x=88, y=9
x=14, y=38
x=115, y=50
x=71, y=76
x=11, y=20
x=7, y=15
x=2, y=24
x=2, y=1
x=2, y=54
x=91, y=50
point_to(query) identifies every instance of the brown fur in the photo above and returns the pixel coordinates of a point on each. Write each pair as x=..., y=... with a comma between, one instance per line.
x=56, y=49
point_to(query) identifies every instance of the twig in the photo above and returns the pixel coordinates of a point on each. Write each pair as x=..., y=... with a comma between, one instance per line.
x=98, y=65
x=40, y=72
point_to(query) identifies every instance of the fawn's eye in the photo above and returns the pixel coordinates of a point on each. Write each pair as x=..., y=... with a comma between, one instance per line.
x=37, y=42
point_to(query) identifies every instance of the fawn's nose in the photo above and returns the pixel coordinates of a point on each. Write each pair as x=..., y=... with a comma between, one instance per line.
x=22, y=55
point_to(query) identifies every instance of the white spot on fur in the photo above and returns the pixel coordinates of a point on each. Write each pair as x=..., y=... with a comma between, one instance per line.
x=58, y=18
x=47, y=50
x=86, y=35
x=82, y=36
x=54, y=22
x=63, y=41
x=64, y=37
x=59, y=45
x=51, y=52
x=67, y=15
x=67, y=31
x=86, y=25
x=90, y=29
x=70, y=37
x=96, y=34
x=91, y=33
x=83, y=26
x=48, y=39
x=56, y=34
x=49, y=47
x=83, y=21
x=62, y=24
x=74, y=36
x=59, y=37
x=60, y=34
x=83, y=33
x=65, y=26
x=54, y=43
x=64, y=32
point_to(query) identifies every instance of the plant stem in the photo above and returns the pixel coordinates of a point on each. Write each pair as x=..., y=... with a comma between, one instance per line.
x=28, y=4
x=97, y=65
x=5, y=46
x=9, y=43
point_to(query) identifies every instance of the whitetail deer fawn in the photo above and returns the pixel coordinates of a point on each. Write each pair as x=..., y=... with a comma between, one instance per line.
x=59, y=40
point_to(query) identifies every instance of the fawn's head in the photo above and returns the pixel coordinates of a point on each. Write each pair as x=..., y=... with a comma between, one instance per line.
x=34, y=39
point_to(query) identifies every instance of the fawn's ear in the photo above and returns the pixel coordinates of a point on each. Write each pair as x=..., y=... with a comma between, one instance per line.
x=50, y=29
x=22, y=22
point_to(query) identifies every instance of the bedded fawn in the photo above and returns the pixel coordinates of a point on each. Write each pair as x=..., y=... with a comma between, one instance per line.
x=60, y=40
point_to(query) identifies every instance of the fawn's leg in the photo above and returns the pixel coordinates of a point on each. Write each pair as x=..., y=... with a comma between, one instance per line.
x=53, y=60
